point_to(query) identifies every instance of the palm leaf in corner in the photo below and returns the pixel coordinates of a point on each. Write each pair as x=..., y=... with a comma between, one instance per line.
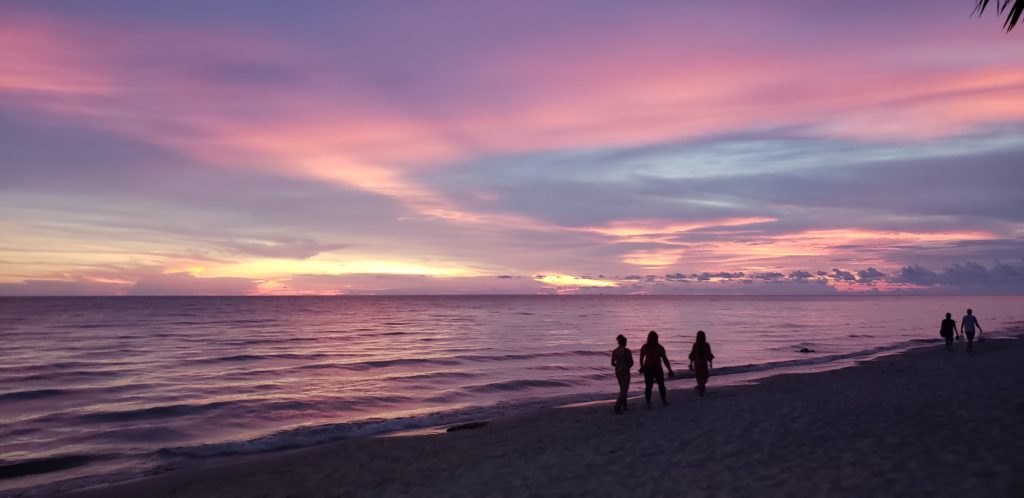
x=1012, y=10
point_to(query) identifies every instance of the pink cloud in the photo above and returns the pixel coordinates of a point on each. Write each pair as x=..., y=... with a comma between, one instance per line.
x=385, y=126
x=569, y=90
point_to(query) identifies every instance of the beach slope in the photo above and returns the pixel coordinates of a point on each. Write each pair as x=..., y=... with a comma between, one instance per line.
x=925, y=422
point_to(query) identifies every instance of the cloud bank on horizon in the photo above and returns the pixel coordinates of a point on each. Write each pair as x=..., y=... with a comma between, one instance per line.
x=162, y=148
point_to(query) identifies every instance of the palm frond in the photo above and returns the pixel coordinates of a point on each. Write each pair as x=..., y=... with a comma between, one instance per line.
x=1012, y=10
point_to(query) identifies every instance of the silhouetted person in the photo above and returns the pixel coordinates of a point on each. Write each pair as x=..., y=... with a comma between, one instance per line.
x=947, y=329
x=622, y=360
x=967, y=326
x=700, y=361
x=651, y=356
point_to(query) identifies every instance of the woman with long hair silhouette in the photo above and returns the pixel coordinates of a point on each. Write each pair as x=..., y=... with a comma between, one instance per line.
x=652, y=355
x=700, y=361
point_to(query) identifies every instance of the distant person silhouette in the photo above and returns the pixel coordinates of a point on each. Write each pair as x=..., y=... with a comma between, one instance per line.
x=947, y=329
x=651, y=356
x=967, y=326
x=622, y=360
x=700, y=361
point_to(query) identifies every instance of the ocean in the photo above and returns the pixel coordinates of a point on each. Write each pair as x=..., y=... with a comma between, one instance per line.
x=101, y=389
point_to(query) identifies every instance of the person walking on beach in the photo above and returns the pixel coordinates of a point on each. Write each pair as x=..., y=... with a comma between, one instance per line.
x=967, y=326
x=652, y=355
x=701, y=359
x=622, y=360
x=947, y=329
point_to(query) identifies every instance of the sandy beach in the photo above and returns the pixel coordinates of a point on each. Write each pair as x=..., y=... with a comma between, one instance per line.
x=925, y=422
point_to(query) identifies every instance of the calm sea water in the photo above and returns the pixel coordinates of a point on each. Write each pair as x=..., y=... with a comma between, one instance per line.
x=111, y=387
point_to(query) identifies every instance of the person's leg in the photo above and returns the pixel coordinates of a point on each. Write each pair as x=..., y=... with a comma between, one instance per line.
x=625, y=392
x=648, y=386
x=620, y=403
x=661, y=389
x=702, y=379
x=949, y=343
x=970, y=341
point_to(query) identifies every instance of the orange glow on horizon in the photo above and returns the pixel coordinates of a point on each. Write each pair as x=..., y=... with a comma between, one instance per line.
x=278, y=268
x=570, y=281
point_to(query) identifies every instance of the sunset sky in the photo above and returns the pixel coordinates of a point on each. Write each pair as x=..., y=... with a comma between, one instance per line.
x=240, y=147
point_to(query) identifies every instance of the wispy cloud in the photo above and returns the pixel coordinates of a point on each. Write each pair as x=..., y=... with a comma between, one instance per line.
x=263, y=149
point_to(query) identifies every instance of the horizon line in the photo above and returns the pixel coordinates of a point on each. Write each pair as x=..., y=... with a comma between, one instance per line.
x=553, y=294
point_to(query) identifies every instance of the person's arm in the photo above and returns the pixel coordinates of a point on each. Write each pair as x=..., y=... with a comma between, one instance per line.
x=614, y=363
x=643, y=354
x=711, y=358
x=664, y=357
x=629, y=358
x=978, y=324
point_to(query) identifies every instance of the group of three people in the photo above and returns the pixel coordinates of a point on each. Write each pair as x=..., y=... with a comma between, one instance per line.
x=967, y=326
x=652, y=355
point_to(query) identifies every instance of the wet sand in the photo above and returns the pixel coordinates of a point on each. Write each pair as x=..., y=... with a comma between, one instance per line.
x=921, y=423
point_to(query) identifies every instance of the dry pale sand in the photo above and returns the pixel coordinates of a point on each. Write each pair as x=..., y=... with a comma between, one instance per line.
x=922, y=423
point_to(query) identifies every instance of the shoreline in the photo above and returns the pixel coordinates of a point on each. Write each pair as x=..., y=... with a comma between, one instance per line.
x=119, y=472
x=102, y=472
x=736, y=440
